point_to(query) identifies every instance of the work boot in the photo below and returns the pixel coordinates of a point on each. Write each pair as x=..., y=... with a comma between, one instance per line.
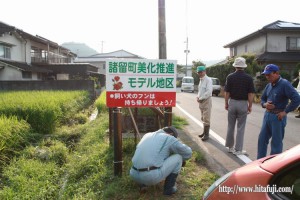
x=142, y=188
x=201, y=135
x=206, y=133
x=170, y=187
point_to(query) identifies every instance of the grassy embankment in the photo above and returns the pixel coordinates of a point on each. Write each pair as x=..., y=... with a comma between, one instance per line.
x=75, y=161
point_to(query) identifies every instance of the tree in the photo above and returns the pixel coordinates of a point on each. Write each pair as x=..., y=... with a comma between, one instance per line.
x=221, y=71
x=180, y=69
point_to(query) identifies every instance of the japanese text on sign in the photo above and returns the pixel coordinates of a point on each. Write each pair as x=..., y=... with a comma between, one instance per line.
x=141, y=67
x=125, y=77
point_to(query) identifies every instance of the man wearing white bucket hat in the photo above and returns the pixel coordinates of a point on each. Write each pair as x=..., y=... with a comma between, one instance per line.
x=239, y=91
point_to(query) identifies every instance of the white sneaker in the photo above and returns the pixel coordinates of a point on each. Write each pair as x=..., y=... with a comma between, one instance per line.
x=231, y=150
x=243, y=152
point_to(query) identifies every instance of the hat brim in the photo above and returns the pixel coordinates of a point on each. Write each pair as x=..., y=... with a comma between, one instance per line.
x=267, y=72
x=240, y=66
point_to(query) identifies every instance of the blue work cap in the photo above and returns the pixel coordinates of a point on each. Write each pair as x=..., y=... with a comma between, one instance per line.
x=270, y=68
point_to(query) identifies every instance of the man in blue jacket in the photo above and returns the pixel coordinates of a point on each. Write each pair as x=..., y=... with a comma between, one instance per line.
x=275, y=99
x=158, y=156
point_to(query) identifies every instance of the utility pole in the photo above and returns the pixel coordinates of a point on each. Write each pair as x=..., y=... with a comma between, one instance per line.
x=102, y=46
x=186, y=51
x=162, y=30
x=163, y=51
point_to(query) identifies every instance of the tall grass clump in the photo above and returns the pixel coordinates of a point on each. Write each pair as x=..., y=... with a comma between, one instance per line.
x=31, y=179
x=13, y=134
x=43, y=110
x=100, y=102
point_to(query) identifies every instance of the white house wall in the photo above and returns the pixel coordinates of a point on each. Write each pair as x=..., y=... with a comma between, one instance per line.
x=9, y=73
x=13, y=74
x=98, y=62
x=277, y=41
x=254, y=46
x=18, y=51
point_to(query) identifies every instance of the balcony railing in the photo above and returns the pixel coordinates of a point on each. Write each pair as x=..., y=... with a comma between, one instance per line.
x=49, y=60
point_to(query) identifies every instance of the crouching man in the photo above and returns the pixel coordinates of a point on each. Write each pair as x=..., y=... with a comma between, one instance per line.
x=158, y=156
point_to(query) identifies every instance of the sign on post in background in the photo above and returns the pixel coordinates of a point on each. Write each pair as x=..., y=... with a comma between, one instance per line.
x=140, y=83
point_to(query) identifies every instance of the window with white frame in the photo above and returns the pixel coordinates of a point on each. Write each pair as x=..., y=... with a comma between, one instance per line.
x=293, y=43
x=4, y=51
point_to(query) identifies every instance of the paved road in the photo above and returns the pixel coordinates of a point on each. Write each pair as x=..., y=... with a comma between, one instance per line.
x=217, y=154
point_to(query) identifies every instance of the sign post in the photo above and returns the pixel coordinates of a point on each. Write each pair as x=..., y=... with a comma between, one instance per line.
x=138, y=83
x=118, y=161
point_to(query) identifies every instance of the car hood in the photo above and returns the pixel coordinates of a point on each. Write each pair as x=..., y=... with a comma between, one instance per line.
x=275, y=163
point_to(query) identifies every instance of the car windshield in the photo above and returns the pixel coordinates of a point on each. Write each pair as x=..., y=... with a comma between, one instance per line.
x=215, y=81
x=187, y=80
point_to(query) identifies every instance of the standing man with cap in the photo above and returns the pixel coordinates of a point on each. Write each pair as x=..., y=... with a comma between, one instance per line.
x=239, y=91
x=158, y=156
x=297, y=86
x=275, y=99
x=205, y=88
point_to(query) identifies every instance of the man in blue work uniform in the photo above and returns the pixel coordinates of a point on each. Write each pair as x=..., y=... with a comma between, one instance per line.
x=158, y=156
x=275, y=99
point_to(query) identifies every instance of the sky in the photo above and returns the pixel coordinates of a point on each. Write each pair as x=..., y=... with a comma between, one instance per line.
x=132, y=25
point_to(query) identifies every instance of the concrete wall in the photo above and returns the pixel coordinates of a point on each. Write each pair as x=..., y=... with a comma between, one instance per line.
x=50, y=85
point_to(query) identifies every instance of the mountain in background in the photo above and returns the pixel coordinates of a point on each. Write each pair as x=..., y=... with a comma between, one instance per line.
x=81, y=49
x=212, y=62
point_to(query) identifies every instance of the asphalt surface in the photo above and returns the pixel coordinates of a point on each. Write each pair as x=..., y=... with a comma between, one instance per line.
x=217, y=157
x=216, y=154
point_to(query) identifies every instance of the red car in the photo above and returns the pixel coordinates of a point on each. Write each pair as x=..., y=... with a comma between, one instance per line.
x=273, y=177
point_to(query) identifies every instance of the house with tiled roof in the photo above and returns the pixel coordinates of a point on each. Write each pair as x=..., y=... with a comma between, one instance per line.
x=27, y=57
x=99, y=60
x=277, y=43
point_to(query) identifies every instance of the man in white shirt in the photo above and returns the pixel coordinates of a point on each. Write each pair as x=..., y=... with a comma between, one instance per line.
x=205, y=88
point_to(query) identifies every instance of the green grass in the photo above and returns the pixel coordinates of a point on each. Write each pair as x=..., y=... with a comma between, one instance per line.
x=77, y=163
x=43, y=110
x=14, y=134
x=178, y=122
